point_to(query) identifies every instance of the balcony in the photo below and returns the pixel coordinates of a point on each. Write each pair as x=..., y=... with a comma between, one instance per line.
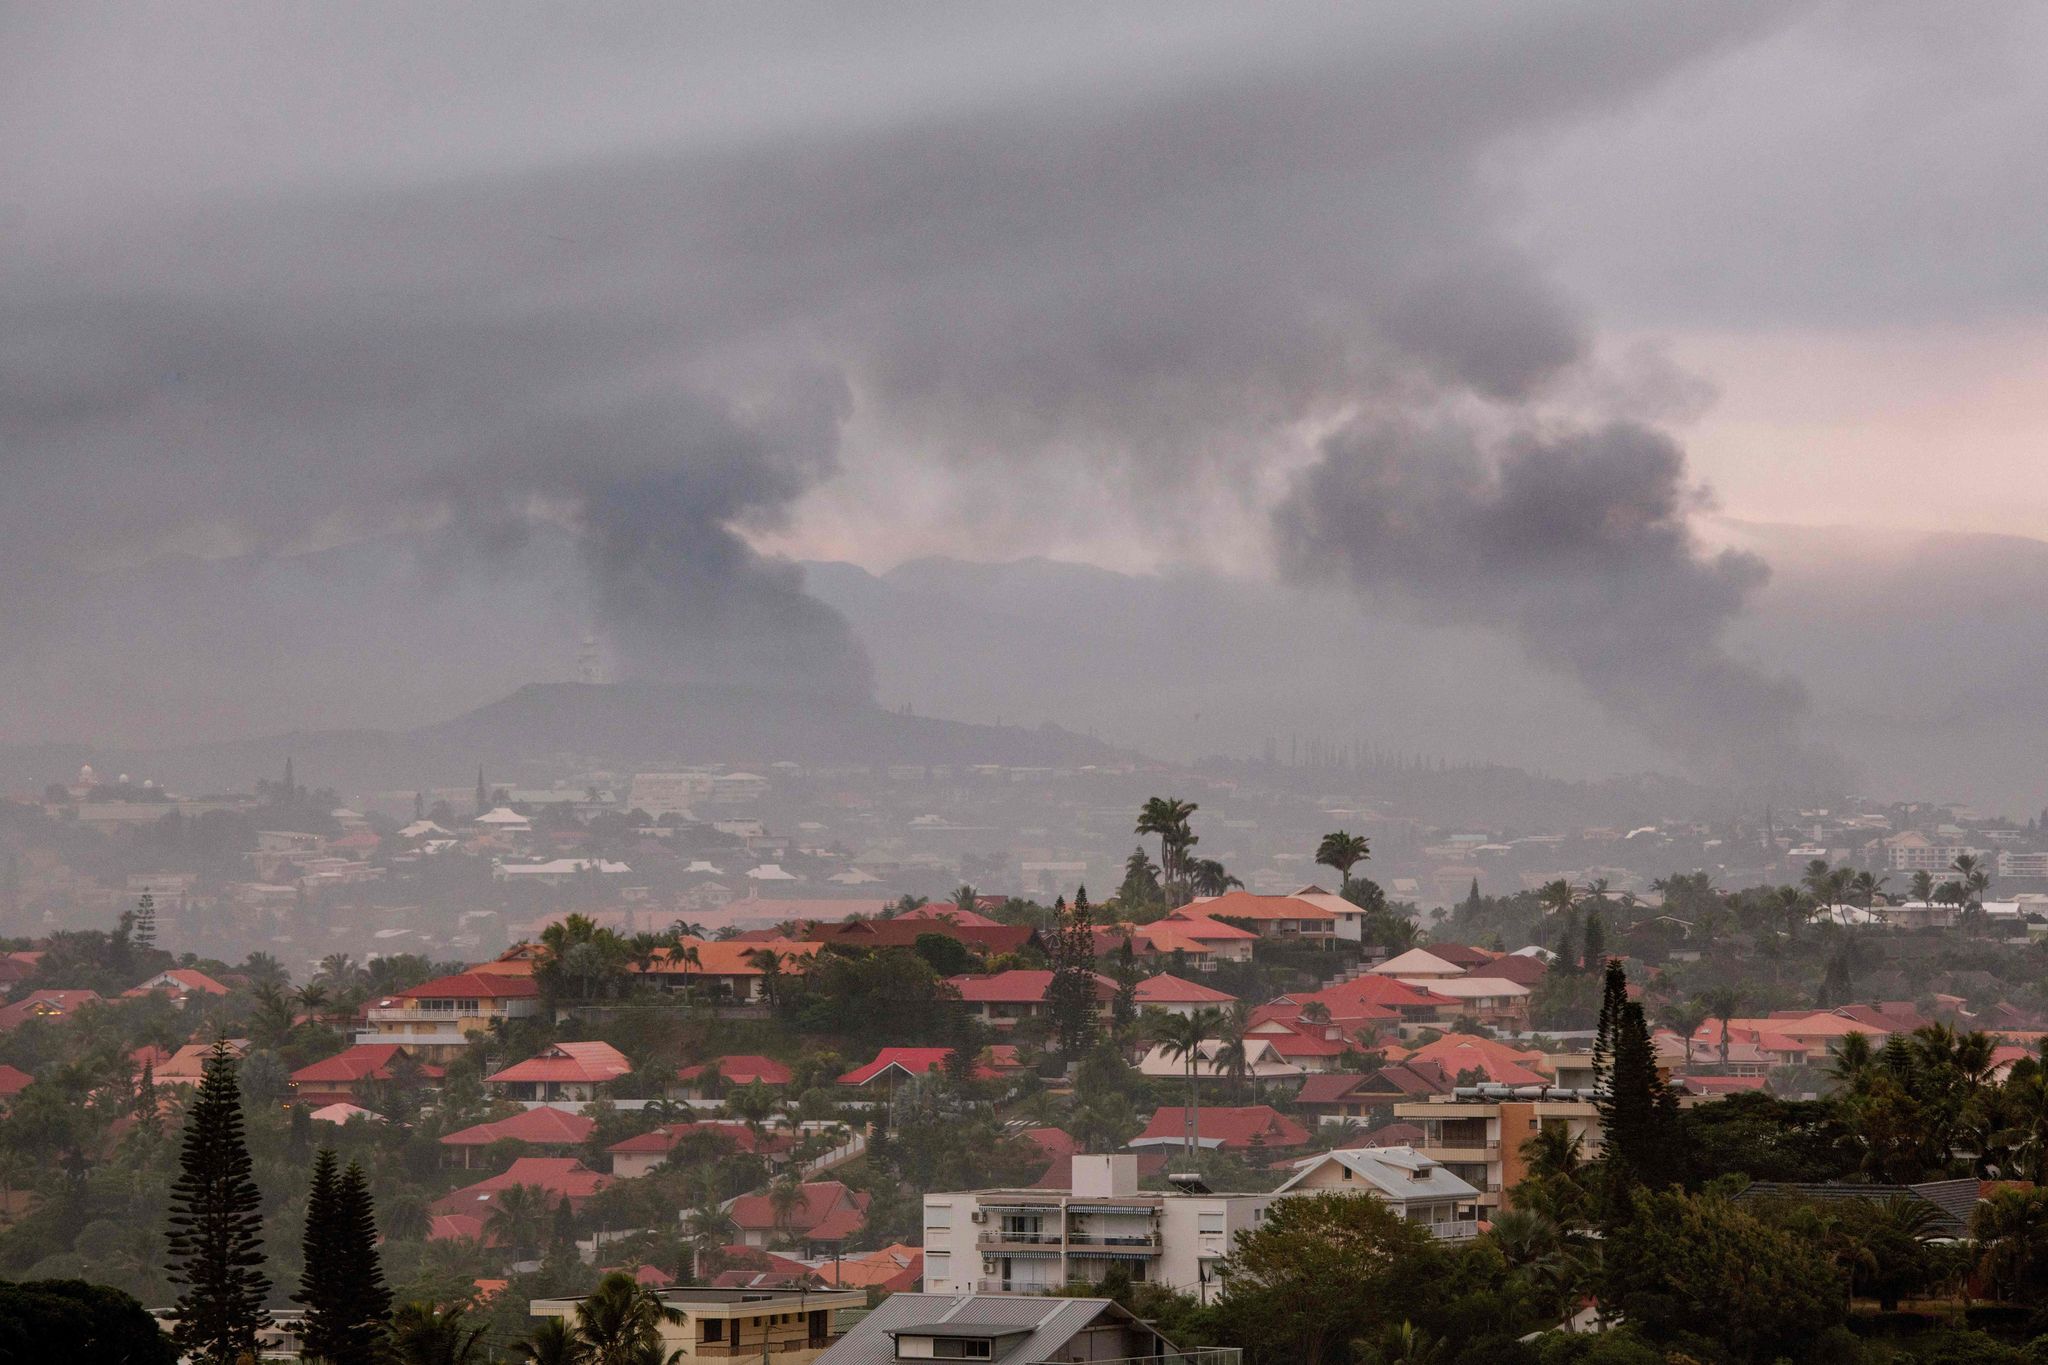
x=1455, y=1231
x=996, y=1237
x=1122, y=1241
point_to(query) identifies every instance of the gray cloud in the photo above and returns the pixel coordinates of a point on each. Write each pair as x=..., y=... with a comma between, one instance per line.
x=1154, y=249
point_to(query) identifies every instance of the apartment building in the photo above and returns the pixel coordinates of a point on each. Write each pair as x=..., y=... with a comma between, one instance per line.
x=1915, y=852
x=1477, y=1132
x=436, y=1019
x=1037, y=1241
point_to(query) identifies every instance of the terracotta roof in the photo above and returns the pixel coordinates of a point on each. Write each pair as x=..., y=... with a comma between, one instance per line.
x=1017, y=987
x=729, y=957
x=1457, y=1053
x=178, y=980
x=1246, y=905
x=894, y=1269
x=1166, y=989
x=951, y=914
x=916, y=1061
x=903, y=933
x=1199, y=926
x=741, y=1069
x=1523, y=971
x=1232, y=1129
x=1374, y=990
x=591, y=1062
x=830, y=1212
x=1053, y=1142
x=471, y=985
x=13, y=1080
x=45, y=1004
x=455, y=1227
x=666, y=1138
x=1331, y=1087
x=543, y=1127
x=559, y=1176
x=363, y=1062
x=1409, y=1078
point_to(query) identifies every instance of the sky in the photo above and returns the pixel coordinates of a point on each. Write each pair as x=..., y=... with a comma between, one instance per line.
x=1511, y=320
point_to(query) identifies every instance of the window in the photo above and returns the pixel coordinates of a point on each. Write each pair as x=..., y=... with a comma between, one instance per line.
x=938, y=1265
x=1211, y=1224
x=938, y=1217
x=961, y=1348
x=714, y=1329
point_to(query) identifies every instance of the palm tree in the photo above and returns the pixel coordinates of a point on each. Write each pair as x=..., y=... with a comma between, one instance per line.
x=1853, y=1061
x=690, y=959
x=1182, y=1036
x=786, y=1199
x=620, y=1323
x=706, y=1228
x=1207, y=877
x=2011, y=1228
x=1921, y=888
x=422, y=1334
x=1721, y=1003
x=1558, y=897
x=1234, y=1046
x=1868, y=889
x=684, y=928
x=965, y=899
x=769, y=963
x=552, y=1343
x=1168, y=818
x=519, y=1217
x=1685, y=1018
x=264, y=970
x=1342, y=851
x=338, y=970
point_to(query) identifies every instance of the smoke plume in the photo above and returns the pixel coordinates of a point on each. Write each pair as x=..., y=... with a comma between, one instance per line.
x=1575, y=542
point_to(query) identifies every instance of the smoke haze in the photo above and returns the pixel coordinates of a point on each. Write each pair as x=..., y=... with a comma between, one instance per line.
x=669, y=288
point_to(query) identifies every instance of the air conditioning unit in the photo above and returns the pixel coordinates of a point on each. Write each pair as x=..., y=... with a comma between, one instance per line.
x=977, y=1217
x=988, y=1267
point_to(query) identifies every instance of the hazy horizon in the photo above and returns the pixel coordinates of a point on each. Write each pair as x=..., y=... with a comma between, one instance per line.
x=1577, y=389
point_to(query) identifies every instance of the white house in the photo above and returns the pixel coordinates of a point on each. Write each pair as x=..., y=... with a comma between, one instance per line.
x=1416, y=1186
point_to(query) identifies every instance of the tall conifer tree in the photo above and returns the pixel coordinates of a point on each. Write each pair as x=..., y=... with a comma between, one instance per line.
x=216, y=1225
x=1071, y=993
x=320, y=1280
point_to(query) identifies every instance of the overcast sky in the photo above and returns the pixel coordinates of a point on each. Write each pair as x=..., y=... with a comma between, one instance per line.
x=1144, y=285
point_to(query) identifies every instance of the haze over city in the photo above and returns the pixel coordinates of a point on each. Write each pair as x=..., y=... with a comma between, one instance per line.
x=1160, y=683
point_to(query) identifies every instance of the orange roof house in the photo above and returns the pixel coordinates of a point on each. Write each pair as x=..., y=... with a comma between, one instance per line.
x=830, y=1214
x=1229, y=1129
x=1269, y=916
x=544, y=1126
x=896, y=1064
x=178, y=982
x=562, y=1071
x=343, y=1076
x=557, y=1177
x=45, y=1004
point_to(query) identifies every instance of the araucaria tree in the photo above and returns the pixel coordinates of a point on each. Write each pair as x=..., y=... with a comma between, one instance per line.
x=348, y=1307
x=1073, y=993
x=1638, y=1111
x=216, y=1225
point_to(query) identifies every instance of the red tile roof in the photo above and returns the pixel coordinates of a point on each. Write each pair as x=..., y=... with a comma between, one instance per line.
x=559, y=1176
x=742, y=1069
x=1230, y=1128
x=45, y=1004
x=363, y=1062
x=177, y=981
x=566, y=1062
x=903, y=933
x=543, y=1127
x=1246, y=905
x=915, y=1061
x=1166, y=989
x=13, y=1080
x=830, y=1212
x=666, y=1138
x=472, y=985
x=1018, y=987
x=1053, y=1142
